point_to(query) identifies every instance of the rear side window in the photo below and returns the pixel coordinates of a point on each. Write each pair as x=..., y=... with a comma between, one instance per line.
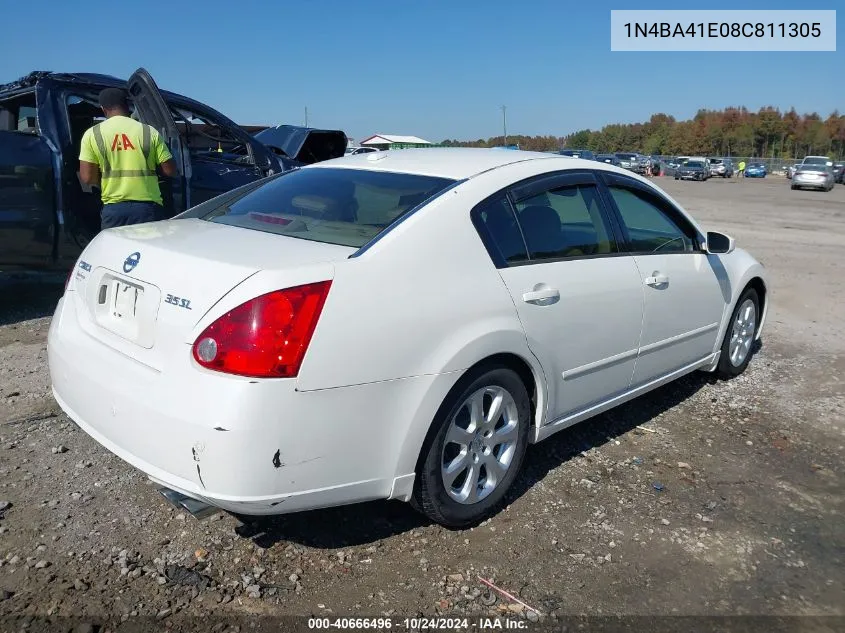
x=565, y=222
x=497, y=224
x=348, y=207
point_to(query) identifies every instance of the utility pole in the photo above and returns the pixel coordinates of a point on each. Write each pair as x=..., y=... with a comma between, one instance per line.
x=505, y=125
x=306, y=116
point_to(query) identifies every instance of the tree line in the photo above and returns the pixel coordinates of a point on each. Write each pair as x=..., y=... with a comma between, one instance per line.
x=734, y=131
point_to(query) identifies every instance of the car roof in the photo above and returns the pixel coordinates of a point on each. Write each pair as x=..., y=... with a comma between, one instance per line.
x=456, y=163
x=94, y=80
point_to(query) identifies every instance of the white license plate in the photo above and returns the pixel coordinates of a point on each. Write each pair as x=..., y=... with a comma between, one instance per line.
x=126, y=300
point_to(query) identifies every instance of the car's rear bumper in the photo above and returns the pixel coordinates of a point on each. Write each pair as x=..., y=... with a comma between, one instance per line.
x=809, y=183
x=248, y=446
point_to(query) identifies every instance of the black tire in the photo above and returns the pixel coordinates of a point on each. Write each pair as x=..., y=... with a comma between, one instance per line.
x=430, y=496
x=793, y=187
x=726, y=369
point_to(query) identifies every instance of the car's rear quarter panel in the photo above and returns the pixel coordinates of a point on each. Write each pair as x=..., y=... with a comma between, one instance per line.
x=424, y=300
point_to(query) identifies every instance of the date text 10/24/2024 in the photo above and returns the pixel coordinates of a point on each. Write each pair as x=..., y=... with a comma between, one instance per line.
x=419, y=624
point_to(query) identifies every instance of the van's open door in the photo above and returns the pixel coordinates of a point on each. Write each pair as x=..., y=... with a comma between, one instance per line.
x=152, y=109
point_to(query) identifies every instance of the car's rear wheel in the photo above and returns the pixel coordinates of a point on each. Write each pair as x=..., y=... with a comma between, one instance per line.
x=475, y=450
x=739, y=337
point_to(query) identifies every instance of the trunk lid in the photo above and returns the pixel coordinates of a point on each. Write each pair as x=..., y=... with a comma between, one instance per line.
x=304, y=145
x=142, y=289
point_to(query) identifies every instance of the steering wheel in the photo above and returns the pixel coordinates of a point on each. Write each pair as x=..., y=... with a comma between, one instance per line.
x=662, y=246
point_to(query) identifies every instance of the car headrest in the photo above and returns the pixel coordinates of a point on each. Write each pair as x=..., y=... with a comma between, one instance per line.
x=541, y=227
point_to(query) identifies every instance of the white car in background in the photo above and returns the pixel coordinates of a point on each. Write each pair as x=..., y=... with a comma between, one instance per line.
x=399, y=325
x=353, y=151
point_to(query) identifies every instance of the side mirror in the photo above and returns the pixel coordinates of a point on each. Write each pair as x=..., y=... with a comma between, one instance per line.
x=718, y=243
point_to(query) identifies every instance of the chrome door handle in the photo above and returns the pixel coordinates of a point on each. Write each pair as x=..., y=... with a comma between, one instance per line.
x=656, y=279
x=545, y=296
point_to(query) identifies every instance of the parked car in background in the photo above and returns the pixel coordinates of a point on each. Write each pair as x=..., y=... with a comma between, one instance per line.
x=631, y=161
x=721, y=167
x=578, y=153
x=839, y=172
x=704, y=161
x=755, y=170
x=47, y=215
x=352, y=151
x=817, y=160
x=790, y=170
x=814, y=176
x=248, y=401
x=691, y=170
x=610, y=159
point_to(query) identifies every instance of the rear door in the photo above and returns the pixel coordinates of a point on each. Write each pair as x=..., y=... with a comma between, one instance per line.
x=27, y=200
x=685, y=288
x=579, y=299
x=153, y=110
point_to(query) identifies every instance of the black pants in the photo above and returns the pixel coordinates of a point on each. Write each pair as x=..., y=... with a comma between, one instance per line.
x=129, y=212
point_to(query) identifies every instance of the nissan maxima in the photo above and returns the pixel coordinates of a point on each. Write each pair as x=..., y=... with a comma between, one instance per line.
x=395, y=325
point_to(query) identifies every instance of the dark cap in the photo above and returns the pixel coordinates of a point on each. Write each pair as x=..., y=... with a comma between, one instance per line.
x=112, y=98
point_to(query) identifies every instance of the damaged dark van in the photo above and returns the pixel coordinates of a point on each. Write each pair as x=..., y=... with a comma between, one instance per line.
x=47, y=215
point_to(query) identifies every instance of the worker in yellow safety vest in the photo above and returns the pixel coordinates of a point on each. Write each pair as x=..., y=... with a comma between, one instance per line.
x=121, y=155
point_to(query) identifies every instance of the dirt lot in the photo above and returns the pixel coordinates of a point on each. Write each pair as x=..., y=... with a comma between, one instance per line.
x=703, y=498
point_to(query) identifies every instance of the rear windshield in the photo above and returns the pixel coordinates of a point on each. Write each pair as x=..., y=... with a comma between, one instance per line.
x=694, y=164
x=348, y=207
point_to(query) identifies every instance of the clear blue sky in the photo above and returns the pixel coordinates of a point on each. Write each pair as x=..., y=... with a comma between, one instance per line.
x=436, y=69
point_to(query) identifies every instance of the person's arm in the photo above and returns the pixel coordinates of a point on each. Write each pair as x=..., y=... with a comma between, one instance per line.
x=89, y=162
x=89, y=173
x=168, y=168
x=163, y=157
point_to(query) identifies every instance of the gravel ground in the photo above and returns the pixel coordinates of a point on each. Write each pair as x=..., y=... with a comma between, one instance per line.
x=701, y=498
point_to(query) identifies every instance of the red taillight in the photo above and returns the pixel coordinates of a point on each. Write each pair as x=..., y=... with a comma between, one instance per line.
x=265, y=337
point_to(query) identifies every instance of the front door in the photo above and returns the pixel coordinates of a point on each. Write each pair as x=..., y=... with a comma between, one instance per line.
x=579, y=299
x=152, y=109
x=684, y=298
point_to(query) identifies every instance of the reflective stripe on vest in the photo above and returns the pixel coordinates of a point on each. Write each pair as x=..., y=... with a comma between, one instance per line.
x=101, y=145
x=107, y=172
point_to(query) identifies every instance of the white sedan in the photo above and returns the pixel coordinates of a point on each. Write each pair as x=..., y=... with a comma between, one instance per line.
x=395, y=325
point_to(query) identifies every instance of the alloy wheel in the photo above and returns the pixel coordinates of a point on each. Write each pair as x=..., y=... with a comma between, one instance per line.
x=480, y=444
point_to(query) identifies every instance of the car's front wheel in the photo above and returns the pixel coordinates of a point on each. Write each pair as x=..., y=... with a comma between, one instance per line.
x=475, y=449
x=739, y=337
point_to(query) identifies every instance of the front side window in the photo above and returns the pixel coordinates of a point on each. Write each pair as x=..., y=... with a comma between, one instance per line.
x=208, y=139
x=565, y=222
x=650, y=230
x=348, y=207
